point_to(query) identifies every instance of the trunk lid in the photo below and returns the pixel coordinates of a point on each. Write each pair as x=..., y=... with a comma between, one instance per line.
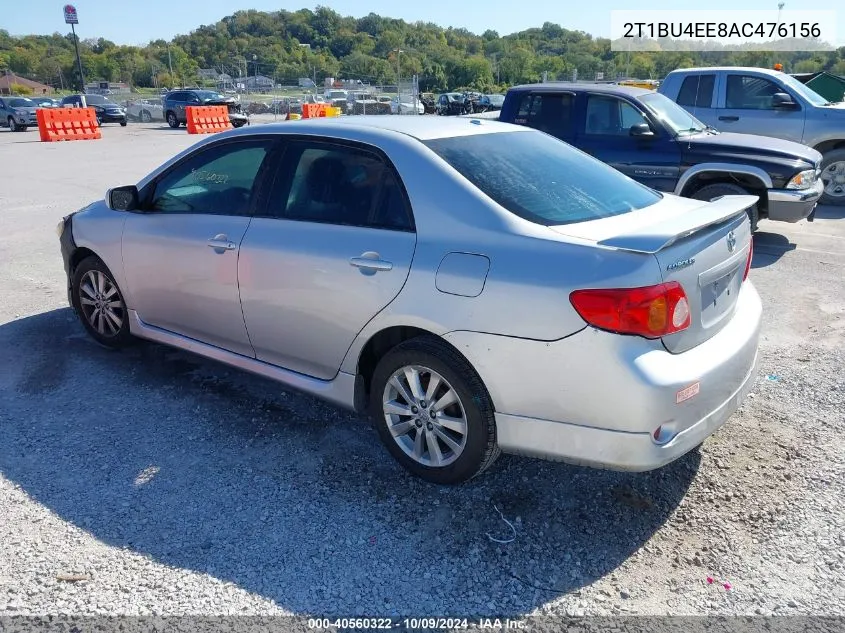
x=701, y=245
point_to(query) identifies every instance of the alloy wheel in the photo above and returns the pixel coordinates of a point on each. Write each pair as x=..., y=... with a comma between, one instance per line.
x=101, y=303
x=425, y=416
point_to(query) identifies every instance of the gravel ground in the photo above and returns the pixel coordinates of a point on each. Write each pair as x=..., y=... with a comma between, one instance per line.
x=153, y=482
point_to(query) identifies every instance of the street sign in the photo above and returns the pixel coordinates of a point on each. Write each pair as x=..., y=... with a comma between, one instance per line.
x=70, y=14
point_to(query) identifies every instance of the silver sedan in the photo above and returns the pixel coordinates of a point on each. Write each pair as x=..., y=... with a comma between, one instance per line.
x=535, y=301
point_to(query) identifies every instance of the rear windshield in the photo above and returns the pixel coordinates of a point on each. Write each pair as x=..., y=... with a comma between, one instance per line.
x=541, y=178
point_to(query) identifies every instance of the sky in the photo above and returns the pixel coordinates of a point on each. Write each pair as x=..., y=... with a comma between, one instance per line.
x=140, y=21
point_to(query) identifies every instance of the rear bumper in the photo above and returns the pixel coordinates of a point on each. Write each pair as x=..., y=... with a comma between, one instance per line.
x=596, y=398
x=793, y=205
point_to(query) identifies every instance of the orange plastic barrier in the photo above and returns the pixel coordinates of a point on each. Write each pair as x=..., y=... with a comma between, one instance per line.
x=67, y=124
x=312, y=110
x=207, y=119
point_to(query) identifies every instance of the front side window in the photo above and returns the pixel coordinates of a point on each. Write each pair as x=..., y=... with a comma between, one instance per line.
x=611, y=116
x=217, y=181
x=542, y=179
x=745, y=92
x=342, y=185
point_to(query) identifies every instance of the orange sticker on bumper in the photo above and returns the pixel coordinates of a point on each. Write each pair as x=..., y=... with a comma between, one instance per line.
x=687, y=393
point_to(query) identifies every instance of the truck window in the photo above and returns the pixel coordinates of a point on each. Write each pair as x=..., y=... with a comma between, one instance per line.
x=548, y=112
x=697, y=91
x=610, y=116
x=745, y=92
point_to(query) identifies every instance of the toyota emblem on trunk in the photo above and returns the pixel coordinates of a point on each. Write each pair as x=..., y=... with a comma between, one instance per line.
x=731, y=241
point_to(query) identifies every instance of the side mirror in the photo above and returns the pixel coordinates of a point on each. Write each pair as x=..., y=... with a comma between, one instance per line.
x=641, y=130
x=122, y=198
x=783, y=101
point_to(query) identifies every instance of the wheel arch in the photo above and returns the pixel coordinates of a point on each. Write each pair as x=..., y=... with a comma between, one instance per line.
x=830, y=145
x=753, y=179
x=379, y=344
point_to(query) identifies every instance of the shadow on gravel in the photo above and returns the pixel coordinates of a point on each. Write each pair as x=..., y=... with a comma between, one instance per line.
x=212, y=470
x=769, y=248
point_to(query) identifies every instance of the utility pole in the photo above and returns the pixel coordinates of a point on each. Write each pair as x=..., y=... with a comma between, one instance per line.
x=398, y=52
x=169, y=60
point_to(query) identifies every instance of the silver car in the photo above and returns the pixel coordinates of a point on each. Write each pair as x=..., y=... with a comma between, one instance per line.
x=536, y=302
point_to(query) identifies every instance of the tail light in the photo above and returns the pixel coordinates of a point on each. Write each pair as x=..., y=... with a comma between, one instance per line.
x=748, y=261
x=650, y=312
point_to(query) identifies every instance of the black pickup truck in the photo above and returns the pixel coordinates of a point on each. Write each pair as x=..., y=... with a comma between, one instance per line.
x=653, y=140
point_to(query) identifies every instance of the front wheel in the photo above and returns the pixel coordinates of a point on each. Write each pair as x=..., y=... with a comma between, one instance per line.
x=13, y=126
x=432, y=412
x=719, y=189
x=833, y=177
x=146, y=117
x=123, y=123
x=172, y=121
x=99, y=304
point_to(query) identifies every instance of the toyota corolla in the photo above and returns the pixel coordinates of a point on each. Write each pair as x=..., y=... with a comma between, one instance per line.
x=537, y=302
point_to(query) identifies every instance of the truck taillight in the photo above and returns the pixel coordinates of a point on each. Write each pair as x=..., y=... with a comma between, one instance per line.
x=748, y=261
x=650, y=312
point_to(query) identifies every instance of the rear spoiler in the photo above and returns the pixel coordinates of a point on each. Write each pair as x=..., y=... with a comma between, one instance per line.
x=655, y=237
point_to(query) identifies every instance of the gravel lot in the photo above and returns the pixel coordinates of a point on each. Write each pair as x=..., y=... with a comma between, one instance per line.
x=153, y=482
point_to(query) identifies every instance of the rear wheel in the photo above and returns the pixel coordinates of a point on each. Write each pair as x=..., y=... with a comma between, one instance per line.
x=432, y=412
x=99, y=303
x=716, y=190
x=172, y=121
x=833, y=177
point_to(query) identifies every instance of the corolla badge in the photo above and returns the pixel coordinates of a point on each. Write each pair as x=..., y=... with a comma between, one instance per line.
x=731, y=241
x=681, y=264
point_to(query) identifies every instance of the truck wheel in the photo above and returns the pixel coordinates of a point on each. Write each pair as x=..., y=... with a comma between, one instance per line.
x=716, y=190
x=833, y=177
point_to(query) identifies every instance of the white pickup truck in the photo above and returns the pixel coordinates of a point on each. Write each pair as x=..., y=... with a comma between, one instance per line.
x=769, y=103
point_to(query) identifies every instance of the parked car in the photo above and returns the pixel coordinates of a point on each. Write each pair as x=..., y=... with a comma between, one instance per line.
x=337, y=99
x=489, y=103
x=107, y=111
x=656, y=142
x=17, y=113
x=406, y=107
x=453, y=103
x=146, y=110
x=46, y=102
x=768, y=103
x=175, y=102
x=471, y=306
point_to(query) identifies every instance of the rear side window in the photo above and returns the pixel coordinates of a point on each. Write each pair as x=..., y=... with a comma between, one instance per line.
x=548, y=112
x=542, y=179
x=697, y=91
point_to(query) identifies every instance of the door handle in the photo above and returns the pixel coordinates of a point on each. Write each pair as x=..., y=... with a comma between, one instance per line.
x=729, y=118
x=370, y=263
x=222, y=242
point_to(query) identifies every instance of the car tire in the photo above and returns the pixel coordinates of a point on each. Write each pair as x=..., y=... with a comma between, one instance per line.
x=833, y=165
x=99, y=304
x=123, y=123
x=445, y=445
x=172, y=121
x=13, y=126
x=709, y=192
x=146, y=117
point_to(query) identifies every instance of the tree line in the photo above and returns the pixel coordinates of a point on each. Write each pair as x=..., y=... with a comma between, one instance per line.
x=286, y=46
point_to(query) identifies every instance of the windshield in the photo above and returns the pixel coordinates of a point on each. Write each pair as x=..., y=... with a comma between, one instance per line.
x=542, y=179
x=97, y=100
x=808, y=93
x=208, y=95
x=337, y=95
x=672, y=115
x=22, y=103
x=496, y=99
